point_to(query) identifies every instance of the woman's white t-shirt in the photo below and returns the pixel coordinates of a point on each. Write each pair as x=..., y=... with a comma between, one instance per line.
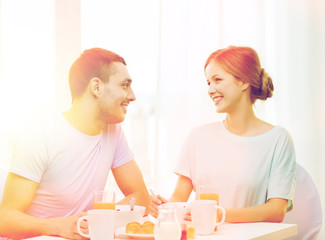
x=246, y=170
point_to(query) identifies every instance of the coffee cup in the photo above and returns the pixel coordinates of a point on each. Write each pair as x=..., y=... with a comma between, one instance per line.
x=204, y=216
x=101, y=224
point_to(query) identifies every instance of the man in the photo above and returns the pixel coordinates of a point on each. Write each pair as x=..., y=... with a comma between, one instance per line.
x=57, y=167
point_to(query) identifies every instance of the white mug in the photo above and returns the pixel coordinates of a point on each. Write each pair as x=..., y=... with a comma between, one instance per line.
x=101, y=224
x=204, y=216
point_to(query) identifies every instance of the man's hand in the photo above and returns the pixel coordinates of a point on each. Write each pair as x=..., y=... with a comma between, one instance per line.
x=67, y=226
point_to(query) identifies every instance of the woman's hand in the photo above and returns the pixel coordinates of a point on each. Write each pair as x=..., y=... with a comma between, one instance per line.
x=181, y=193
x=187, y=216
x=156, y=200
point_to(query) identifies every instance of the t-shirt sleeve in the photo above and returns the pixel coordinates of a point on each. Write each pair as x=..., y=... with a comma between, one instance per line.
x=183, y=165
x=123, y=153
x=283, y=171
x=29, y=156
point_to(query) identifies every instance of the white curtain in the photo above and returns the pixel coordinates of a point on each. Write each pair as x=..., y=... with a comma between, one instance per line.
x=165, y=44
x=26, y=66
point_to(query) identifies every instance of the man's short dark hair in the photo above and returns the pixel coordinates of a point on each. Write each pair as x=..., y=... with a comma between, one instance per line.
x=94, y=62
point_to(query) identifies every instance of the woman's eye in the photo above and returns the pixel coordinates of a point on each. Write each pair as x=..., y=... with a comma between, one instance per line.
x=217, y=80
x=213, y=81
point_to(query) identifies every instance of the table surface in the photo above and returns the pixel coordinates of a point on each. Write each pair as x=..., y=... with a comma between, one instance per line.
x=256, y=231
x=231, y=231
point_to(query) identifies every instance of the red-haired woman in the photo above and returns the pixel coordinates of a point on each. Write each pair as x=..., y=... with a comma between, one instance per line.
x=251, y=161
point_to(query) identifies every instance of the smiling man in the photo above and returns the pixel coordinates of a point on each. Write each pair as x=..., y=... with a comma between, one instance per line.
x=57, y=167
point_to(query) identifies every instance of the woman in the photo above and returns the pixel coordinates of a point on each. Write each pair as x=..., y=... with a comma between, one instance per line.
x=251, y=161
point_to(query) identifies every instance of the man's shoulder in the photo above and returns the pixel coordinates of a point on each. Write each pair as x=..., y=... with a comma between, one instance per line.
x=41, y=124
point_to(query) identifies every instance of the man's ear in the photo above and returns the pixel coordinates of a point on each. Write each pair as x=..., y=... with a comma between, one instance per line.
x=96, y=86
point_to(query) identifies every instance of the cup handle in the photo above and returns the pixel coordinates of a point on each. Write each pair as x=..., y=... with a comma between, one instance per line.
x=223, y=214
x=78, y=226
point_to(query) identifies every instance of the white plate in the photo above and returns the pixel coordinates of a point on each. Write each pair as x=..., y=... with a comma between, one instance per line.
x=121, y=232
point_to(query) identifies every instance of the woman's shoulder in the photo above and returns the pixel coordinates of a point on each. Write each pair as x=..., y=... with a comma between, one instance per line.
x=281, y=134
x=281, y=129
x=206, y=128
x=265, y=127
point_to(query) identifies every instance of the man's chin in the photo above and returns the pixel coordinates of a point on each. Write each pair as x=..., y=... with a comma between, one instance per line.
x=115, y=120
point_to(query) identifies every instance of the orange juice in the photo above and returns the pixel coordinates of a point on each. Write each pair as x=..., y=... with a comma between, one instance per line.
x=104, y=205
x=210, y=196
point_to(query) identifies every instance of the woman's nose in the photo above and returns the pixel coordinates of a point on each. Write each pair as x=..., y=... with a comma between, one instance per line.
x=211, y=89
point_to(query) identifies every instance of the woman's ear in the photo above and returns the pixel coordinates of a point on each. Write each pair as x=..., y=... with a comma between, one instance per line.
x=96, y=86
x=245, y=86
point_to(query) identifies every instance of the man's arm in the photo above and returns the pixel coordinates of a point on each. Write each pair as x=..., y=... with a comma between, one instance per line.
x=14, y=223
x=130, y=181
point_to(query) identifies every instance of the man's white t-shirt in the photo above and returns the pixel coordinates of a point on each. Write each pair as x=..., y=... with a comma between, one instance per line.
x=68, y=165
x=246, y=170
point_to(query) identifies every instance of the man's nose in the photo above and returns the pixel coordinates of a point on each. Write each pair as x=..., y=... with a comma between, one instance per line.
x=131, y=95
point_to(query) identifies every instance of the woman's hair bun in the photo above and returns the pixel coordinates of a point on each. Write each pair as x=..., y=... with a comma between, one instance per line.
x=266, y=85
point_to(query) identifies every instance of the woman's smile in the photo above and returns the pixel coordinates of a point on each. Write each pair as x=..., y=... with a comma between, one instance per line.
x=217, y=99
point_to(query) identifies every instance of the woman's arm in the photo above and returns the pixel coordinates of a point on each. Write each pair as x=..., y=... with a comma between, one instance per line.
x=182, y=192
x=272, y=211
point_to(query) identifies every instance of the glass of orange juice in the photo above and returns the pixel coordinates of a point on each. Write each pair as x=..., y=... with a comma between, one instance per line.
x=209, y=192
x=104, y=200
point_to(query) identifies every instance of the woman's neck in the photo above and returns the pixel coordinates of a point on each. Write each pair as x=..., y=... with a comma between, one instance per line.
x=244, y=123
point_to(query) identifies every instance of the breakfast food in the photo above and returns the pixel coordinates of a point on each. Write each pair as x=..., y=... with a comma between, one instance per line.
x=147, y=227
x=133, y=227
x=136, y=228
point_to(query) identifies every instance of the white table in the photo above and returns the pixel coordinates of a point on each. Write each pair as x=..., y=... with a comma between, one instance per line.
x=256, y=231
x=233, y=231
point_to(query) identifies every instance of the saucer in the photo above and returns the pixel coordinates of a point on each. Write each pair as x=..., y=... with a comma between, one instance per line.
x=120, y=232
